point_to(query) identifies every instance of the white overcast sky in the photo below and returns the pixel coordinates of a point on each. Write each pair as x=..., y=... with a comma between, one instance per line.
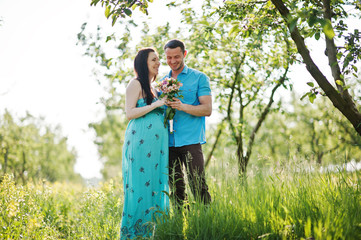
x=43, y=71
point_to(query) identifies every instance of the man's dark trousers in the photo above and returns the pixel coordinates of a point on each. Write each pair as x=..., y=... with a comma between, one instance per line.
x=191, y=157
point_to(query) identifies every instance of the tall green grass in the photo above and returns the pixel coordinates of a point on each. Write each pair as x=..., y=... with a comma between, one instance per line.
x=297, y=206
x=59, y=211
x=286, y=205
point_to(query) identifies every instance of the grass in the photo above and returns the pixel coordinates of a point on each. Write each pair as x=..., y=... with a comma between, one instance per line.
x=298, y=206
x=290, y=205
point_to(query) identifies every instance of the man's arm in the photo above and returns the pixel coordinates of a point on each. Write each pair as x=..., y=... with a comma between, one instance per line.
x=203, y=109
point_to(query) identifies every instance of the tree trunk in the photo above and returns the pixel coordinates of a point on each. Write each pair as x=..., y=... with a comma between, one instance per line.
x=319, y=157
x=22, y=173
x=6, y=154
x=342, y=102
x=242, y=168
x=262, y=118
x=215, y=143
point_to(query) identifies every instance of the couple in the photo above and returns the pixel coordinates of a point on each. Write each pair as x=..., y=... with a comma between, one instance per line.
x=152, y=157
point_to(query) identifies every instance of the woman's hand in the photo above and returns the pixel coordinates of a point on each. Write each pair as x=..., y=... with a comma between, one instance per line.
x=159, y=103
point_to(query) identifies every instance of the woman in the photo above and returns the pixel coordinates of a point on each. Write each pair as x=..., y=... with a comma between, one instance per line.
x=145, y=150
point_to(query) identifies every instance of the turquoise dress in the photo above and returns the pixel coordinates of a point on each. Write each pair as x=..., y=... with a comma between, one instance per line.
x=145, y=173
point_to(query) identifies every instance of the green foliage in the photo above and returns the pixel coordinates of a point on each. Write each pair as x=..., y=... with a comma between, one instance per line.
x=305, y=19
x=114, y=53
x=31, y=150
x=279, y=206
x=122, y=8
x=306, y=132
x=244, y=47
x=244, y=68
x=297, y=131
x=110, y=132
x=291, y=204
x=59, y=211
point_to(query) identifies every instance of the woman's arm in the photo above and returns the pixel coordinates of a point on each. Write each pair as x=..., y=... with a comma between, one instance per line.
x=133, y=93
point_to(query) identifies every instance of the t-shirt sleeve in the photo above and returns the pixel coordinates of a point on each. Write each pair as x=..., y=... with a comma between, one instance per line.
x=204, y=86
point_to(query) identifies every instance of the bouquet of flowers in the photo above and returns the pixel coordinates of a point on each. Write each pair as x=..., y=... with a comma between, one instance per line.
x=170, y=89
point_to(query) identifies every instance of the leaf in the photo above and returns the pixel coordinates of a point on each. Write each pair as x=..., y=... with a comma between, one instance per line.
x=234, y=30
x=339, y=55
x=339, y=82
x=308, y=229
x=94, y=2
x=304, y=95
x=292, y=24
x=354, y=68
x=207, y=35
x=107, y=11
x=114, y=19
x=310, y=84
x=327, y=29
x=312, y=20
x=312, y=97
x=128, y=12
x=317, y=35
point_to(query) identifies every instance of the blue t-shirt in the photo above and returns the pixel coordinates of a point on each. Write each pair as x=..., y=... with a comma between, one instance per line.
x=189, y=129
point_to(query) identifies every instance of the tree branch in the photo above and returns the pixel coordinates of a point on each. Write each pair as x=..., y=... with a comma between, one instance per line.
x=220, y=129
x=263, y=116
x=332, y=59
x=347, y=109
x=229, y=108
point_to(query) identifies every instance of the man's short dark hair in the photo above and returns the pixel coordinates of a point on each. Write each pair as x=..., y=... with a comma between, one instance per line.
x=174, y=44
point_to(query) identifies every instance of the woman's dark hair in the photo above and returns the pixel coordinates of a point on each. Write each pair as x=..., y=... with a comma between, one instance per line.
x=142, y=72
x=174, y=44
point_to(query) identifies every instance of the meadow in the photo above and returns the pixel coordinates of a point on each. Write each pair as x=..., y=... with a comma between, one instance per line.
x=276, y=205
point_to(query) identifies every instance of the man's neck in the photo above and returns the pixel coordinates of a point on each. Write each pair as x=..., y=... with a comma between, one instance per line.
x=176, y=73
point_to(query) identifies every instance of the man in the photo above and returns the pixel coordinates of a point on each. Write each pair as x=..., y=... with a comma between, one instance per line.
x=189, y=126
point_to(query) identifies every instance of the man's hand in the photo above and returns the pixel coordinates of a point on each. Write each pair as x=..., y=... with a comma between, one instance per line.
x=203, y=109
x=176, y=104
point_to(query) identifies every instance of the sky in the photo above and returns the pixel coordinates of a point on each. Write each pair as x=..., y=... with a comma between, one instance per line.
x=44, y=72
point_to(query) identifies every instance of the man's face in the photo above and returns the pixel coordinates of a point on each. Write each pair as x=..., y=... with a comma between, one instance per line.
x=175, y=58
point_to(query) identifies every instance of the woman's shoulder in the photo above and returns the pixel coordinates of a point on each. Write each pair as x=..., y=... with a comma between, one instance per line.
x=134, y=82
x=134, y=86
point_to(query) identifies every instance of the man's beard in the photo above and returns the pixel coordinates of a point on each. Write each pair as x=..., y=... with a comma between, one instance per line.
x=180, y=66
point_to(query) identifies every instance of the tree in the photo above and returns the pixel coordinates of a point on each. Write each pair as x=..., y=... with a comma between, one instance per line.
x=234, y=66
x=31, y=150
x=315, y=17
x=245, y=74
x=304, y=132
x=109, y=140
x=114, y=54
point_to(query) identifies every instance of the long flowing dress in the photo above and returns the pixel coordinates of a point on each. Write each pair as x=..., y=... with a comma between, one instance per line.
x=145, y=173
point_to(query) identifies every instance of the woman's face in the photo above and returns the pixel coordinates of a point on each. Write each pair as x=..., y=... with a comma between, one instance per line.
x=153, y=64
